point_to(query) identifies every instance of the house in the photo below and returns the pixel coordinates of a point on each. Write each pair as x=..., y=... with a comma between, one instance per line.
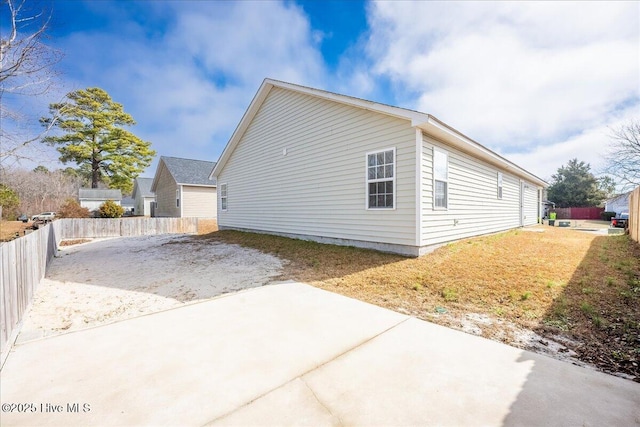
x=92, y=198
x=128, y=203
x=320, y=166
x=143, y=196
x=183, y=188
x=618, y=204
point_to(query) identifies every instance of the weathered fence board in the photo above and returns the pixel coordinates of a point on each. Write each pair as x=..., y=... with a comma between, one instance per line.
x=78, y=228
x=24, y=260
x=634, y=215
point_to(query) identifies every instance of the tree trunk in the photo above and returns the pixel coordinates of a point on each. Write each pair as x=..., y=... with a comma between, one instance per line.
x=95, y=168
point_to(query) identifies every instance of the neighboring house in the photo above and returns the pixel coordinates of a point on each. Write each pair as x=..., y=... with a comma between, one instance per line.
x=128, y=203
x=92, y=198
x=618, y=204
x=183, y=188
x=143, y=196
x=316, y=165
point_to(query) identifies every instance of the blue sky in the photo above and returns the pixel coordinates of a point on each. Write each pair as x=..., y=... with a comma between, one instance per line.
x=539, y=83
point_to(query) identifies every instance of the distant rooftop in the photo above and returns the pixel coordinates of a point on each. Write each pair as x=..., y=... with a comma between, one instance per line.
x=99, y=194
x=144, y=186
x=188, y=171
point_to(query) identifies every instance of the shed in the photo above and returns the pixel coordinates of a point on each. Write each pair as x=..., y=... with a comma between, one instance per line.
x=183, y=188
x=92, y=198
x=321, y=166
x=143, y=196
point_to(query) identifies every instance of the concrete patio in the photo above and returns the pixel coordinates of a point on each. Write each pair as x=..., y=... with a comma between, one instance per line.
x=292, y=354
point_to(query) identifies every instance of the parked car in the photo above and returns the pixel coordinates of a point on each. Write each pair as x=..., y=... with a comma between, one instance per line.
x=621, y=220
x=44, y=216
x=23, y=218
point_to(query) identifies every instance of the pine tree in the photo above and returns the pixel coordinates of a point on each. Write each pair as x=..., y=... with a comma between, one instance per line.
x=95, y=139
x=575, y=186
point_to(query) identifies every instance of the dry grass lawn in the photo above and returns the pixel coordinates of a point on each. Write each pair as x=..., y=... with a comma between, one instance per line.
x=556, y=282
x=8, y=229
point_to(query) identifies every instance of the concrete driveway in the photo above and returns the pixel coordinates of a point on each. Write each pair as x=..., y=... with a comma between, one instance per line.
x=292, y=354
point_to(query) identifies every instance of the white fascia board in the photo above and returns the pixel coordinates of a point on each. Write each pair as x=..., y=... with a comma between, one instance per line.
x=458, y=140
x=266, y=86
x=154, y=183
x=186, y=184
x=388, y=110
x=247, y=118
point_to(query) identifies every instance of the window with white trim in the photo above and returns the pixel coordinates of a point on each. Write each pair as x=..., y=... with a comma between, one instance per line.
x=178, y=198
x=381, y=179
x=440, y=179
x=499, y=185
x=223, y=197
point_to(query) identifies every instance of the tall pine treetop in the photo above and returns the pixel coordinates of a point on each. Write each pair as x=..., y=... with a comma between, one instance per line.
x=94, y=138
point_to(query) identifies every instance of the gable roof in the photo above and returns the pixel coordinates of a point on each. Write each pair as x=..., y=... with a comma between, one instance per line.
x=186, y=171
x=426, y=122
x=99, y=194
x=143, y=186
x=128, y=202
x=624, y=197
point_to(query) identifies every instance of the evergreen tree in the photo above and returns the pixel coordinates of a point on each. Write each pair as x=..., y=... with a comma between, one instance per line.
x=95, y=140
x=575, y=186
x=9, y=202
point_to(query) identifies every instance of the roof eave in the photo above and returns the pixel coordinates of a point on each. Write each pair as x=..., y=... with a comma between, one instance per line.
x=442, y=131
x=423, y=121
x=247, y=117
x=266, y=87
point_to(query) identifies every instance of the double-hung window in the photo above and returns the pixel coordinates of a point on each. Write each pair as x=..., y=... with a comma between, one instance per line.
x=381, y=179
x=223, y=197
x=178, y=198
x=440, y=179
x=499, y=185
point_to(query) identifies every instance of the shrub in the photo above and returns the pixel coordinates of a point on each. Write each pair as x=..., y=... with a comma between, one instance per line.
x=9, y=201
x=72, y=209
x=449, y=294
x=606, y=216
x=110, y=209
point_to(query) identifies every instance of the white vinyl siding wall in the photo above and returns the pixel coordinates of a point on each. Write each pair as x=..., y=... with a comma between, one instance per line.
x=199, y=202
x=147, y=206
x=473, y=208
x=299, y=169
x=530, y=204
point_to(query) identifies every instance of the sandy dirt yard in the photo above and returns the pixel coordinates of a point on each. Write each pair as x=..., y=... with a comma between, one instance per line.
x=113, y=279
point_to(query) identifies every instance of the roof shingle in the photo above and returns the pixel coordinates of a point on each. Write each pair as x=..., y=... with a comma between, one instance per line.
x=190, y=172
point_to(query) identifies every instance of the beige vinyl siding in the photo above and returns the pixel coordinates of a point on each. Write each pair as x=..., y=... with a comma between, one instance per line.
x=473, y=204
x=199, y=202
x=530, y=204
x=166, y=195
x=318, y=188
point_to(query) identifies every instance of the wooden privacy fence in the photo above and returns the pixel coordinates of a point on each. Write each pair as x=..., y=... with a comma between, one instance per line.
x=24, y=261
x=578, y=213
x=78, y=228
x=634, y=215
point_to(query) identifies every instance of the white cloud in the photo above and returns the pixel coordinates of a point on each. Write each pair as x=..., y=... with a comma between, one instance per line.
x=590, y=146
x=511, y=74
x=188, y=85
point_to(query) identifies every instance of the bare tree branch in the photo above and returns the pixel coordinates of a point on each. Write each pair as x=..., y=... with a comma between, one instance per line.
x=623, y=157
x=26, y=69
